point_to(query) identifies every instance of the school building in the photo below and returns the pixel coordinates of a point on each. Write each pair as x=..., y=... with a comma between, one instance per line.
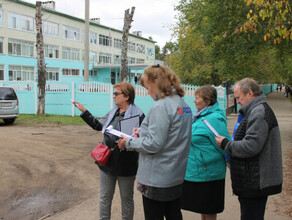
x=64, y=46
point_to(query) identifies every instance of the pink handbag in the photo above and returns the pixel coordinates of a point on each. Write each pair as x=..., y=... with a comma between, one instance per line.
x=101, y=154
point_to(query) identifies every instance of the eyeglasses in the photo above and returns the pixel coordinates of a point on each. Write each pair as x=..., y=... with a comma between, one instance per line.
x=117, y=93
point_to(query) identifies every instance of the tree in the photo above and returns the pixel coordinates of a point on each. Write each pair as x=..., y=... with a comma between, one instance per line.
x=128, y=18
x=40, y=60
x=158, y=54
x=212, y=49
x=274, y=17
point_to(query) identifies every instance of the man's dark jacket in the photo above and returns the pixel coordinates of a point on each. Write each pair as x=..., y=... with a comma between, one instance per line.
x=256, y=156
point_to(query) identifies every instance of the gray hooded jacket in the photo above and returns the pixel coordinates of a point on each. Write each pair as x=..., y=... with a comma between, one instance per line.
x=164, y=143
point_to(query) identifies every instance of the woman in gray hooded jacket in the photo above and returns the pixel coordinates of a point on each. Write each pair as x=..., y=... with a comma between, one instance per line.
x=163, y=143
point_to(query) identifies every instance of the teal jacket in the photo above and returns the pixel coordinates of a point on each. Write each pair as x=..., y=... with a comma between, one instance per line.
x=206, y=161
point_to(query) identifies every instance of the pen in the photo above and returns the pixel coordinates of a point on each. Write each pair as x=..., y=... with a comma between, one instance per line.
x=134, y=134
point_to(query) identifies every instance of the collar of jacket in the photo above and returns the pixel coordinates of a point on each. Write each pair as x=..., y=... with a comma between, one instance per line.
x=253, y=103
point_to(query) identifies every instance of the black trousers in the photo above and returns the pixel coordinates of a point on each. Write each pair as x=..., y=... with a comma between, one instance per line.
x=156, y=210
x=252, y=208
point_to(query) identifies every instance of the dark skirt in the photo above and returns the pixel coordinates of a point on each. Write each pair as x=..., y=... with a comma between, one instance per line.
x=203, y=197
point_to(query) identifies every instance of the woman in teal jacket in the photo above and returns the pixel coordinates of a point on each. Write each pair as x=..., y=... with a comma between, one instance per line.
x=204, y=185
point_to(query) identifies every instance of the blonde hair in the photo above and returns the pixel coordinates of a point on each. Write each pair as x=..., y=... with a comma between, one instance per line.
x=165, y=79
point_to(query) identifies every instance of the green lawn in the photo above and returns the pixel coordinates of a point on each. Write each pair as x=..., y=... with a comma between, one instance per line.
x=27, y=119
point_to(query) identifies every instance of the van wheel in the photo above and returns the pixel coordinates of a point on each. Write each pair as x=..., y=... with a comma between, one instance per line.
x=9, y=121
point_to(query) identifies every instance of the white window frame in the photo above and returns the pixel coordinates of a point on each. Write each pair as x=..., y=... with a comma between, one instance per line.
x=140, y=48
x=20, y=22
x=70, y=33
x=105, y=40
x=118, y=43
x=21, y=73
x=138, y=60
x=131, y=47
x=51, y=51
x=52, y=74
x=50, y=29
x=91, y=73
x=1, y=18
x=131, y=60
x=92, y=37
x=117, y=59
x=105, y=58
x=2, y=72
x=71, y=72
x=1, y=45
x=69, y=53
x=20, y=48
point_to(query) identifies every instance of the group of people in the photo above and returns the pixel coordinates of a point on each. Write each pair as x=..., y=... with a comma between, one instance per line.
x=178, y=161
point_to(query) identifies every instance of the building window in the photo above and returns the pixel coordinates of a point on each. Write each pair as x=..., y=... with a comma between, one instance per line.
x=20, y=48
x=140, y=48
x=70, y=33
x=92, y=56
x=50, y=29
x=91, y=73
x=1, y=45
x=140, y=60
x=105, y=40
x=51, y=51
x=52, y=74
x=131, y=60
x=118, y=43
x=70, y=72
x=20, y=22
x=21, y=73
x=1, y=18
x=92, y=37
x=131, y=47
x=1, y=72
x=70, y=54
x=117, y=59
x=105, y=58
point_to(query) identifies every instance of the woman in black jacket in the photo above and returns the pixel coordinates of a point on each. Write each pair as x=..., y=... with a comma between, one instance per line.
x=122, y=166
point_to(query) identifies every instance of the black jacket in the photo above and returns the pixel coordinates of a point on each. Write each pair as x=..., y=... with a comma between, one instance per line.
x=121, y=163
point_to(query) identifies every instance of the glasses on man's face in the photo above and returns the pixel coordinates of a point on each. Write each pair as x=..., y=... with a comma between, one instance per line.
x=117, y=93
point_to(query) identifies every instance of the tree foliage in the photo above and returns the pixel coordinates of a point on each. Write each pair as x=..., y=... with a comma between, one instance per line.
x=211, y=48
x=274, y=17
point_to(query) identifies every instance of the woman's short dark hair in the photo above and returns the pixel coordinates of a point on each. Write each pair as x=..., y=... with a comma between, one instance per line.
x=127, y=89
x=165, y=78
x=208, y=93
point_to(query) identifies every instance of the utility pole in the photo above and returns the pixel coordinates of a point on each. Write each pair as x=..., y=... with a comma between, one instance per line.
x=86, y=43
x=40, y=60
x=124, y=73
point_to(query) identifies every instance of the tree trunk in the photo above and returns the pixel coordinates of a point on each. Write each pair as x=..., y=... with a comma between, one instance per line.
x=124, y=73
x=40, y=60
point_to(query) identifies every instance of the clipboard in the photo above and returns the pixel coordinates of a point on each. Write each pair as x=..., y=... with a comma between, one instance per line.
x=115, y=132
x=128, y=124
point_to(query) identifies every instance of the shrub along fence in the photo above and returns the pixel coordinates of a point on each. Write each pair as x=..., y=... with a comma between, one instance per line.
x=95, y=96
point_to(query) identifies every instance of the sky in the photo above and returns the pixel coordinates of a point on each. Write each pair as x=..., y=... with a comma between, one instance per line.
x=154, y=18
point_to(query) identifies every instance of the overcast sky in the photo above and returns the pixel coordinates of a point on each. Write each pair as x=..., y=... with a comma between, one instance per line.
x=153, y=17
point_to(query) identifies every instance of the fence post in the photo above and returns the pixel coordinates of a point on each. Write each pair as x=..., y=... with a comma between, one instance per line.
x=35, y=98
x=73, y=98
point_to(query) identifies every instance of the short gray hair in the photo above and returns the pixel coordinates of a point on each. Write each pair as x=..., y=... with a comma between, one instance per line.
x=247, y=84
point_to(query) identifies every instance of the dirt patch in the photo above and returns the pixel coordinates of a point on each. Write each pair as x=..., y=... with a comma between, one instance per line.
x=45, y=169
